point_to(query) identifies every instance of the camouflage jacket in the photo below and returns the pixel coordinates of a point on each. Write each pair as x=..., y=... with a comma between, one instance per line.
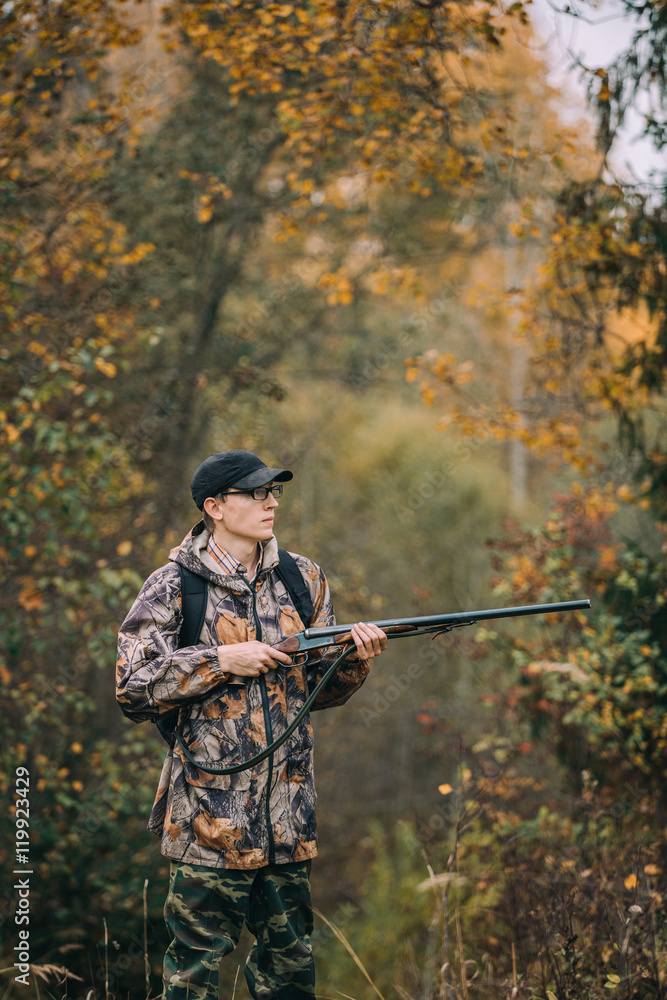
x=255, y=817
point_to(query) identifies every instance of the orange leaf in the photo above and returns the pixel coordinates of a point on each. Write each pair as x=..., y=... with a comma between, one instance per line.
x=29, y=596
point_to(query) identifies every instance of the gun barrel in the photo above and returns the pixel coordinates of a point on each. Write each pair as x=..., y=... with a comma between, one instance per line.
x=452, y=620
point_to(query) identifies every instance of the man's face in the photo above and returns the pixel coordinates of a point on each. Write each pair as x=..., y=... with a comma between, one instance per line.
x=245, y=518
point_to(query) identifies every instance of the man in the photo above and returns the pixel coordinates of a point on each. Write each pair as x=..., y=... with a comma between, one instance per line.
x=240, y=844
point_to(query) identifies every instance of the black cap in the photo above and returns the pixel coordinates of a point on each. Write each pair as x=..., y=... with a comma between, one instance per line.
x=240, y=469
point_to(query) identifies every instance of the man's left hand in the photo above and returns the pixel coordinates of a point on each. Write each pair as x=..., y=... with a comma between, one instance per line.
x=369, y=640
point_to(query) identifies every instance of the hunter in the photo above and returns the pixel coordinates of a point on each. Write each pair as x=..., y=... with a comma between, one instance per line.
x=241, y=844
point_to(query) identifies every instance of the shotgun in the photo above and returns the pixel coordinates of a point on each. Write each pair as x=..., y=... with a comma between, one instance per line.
x=321, y=637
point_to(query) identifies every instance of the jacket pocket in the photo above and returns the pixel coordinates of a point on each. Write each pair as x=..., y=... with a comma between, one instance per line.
x=217, y=735
x=227, y=756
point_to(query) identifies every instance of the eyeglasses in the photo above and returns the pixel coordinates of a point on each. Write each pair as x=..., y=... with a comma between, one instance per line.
x=259, y=492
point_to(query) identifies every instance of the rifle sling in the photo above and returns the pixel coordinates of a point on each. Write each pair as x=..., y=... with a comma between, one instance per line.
x=272, y=747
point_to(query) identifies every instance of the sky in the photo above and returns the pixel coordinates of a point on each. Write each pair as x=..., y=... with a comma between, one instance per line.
x=597, y=41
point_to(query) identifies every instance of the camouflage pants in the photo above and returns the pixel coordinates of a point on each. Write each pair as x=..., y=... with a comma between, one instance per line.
x=205, y=911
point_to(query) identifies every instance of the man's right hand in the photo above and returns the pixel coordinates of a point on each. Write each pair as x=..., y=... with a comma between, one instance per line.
x=250, y=659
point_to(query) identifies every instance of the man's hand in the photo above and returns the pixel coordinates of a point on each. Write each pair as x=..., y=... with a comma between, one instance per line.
x=369, y=640
x=250, y=659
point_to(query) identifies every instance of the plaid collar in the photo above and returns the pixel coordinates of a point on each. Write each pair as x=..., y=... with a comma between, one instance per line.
x=230, y=565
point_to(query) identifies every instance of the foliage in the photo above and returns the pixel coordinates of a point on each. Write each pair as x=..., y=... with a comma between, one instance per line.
x=590, y=324
x=572, y=853
x=385, y=82
x=385, y=923
x=546, y=853
x=604, y=258
x=604, y=688
x=555, y=892
x=578, y=857
x=62, y=463
x=64, y=470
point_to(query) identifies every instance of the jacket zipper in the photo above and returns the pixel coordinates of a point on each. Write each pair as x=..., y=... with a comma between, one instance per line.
x=269, y=735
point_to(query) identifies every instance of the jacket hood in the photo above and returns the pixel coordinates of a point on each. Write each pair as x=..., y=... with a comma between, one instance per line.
x=192, y=553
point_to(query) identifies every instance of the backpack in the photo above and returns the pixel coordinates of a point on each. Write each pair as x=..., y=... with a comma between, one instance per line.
x=193, y=599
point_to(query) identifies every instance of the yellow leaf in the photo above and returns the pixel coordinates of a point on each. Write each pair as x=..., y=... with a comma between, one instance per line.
x=124, y=548
x=630, y=882
x=652, y=869
x=445, y=789
x=106, y=367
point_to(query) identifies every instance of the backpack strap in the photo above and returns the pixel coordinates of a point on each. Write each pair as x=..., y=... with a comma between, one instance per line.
x=193, y=607
x=193, y=604
x=289, y=573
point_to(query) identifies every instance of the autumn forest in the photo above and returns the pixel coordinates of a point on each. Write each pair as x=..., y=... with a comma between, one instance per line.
x=363, y=240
